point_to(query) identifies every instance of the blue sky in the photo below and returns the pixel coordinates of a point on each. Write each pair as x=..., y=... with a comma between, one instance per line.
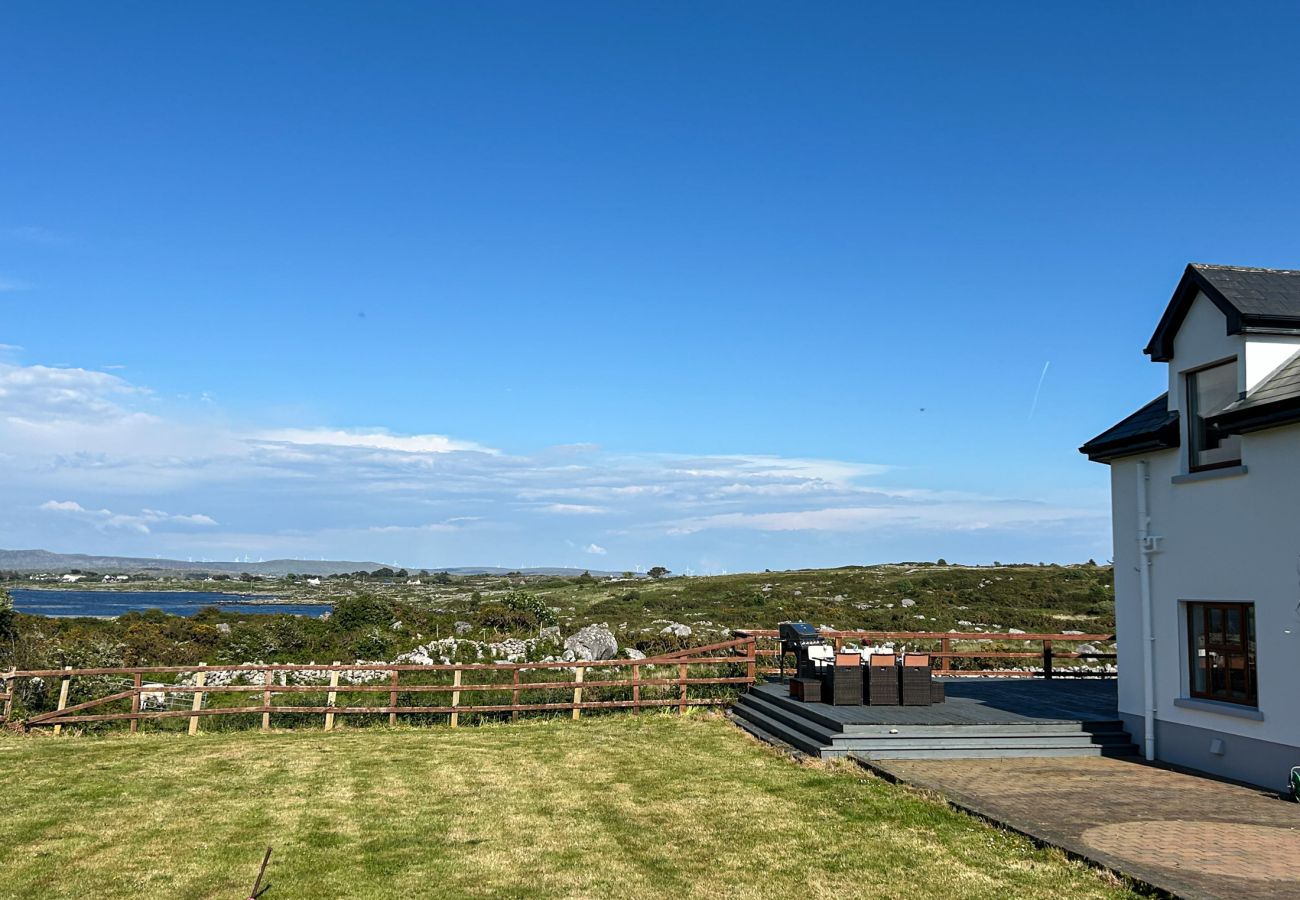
x=714, y=286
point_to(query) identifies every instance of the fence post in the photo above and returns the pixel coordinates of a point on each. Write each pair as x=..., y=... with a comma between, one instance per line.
x=455, y=698
x=63, y=695
x=268, y=678
x=636, y=687
x=751, y=662
x=514, y=698
x=11, y=685
x=332, y=698
x=681, y=681
x=392, y=698
x=135, y=703
x=200, y=679
x=945, y=664
x=577, y=693
x=1047, y=660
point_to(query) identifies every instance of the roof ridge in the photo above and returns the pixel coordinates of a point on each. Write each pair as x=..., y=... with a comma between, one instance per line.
x=1225, y=268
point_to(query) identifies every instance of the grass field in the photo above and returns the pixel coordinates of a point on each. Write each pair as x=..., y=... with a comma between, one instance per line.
x=650, y=806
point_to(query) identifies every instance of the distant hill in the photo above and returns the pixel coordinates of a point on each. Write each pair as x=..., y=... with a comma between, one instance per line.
x=55, y=563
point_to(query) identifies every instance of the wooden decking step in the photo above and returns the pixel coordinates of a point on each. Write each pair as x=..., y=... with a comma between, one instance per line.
x=1025, y=723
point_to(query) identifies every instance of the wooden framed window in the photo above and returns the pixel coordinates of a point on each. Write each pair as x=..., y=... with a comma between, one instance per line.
x=1209, y=390
x=1222, y=652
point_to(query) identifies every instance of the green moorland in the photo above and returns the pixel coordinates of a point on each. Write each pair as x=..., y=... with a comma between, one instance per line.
x=378, y=616
x=649, y=806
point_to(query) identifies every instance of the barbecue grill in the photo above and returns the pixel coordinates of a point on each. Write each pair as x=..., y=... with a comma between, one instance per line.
x=796, y=638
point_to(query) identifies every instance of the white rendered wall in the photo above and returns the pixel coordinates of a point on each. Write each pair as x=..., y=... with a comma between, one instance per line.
x=1265, y=354
x=1202, y=339
x=1230, y=539
x=1233, y=538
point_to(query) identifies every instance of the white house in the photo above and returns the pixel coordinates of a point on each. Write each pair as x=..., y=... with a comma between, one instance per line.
x=1205, y=496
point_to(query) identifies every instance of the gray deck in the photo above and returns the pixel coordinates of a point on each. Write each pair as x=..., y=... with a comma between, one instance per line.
x=982, y=718
x=992, y=701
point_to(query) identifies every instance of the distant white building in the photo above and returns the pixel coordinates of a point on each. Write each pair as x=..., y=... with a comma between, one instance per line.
x=71, y=579
x=1205, y=487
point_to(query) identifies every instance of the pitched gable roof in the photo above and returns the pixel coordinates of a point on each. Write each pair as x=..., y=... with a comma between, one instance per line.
x=1252, y=300
x=1153, y=427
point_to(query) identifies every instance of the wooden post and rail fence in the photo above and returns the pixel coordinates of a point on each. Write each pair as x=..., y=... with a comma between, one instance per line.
x=664, y=681
x=672, y=680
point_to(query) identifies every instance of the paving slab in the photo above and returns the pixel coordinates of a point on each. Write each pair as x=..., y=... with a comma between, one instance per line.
x=1192, y=836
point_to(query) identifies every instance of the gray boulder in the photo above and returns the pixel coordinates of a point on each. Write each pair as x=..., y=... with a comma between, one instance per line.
x=590, y=643
x=676, y=629
x=633, y=653
x=462, y=627
x=908, y=601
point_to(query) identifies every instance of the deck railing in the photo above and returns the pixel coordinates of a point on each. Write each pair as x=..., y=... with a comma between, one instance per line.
x=954, y=653
x=697, y=676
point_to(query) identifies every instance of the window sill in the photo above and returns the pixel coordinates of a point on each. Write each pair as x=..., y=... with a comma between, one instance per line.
x=1209, y=474
x=1220, y=707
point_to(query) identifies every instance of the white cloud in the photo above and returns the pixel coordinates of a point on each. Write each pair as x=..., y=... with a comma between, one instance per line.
x=573, y=509
x=990, y=513
x=374, y=440
x=106, y=518
x=432, y=499
x=48, y=395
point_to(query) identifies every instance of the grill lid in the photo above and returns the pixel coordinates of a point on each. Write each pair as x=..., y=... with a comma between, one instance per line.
x=801, y=633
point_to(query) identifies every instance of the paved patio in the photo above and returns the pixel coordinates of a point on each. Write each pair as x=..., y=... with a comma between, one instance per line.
x=1193, y=837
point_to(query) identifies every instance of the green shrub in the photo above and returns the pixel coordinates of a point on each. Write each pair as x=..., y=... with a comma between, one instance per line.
x=361, y=612
x=500, y=617
x=522, y=601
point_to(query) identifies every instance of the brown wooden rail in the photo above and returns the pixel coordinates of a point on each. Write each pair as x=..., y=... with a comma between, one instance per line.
x=732, y=662
x=1046, y=654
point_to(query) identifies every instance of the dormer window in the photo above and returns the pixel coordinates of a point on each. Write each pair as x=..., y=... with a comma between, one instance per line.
x=1209, y=390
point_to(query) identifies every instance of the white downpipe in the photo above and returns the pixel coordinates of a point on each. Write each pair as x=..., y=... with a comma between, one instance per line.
x=1147, y=546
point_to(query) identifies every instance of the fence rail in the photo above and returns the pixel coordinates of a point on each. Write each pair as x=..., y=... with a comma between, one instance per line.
x=663, y=681
x=939, y=644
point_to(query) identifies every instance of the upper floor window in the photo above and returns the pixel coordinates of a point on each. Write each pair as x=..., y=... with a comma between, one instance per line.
x=1209, y=390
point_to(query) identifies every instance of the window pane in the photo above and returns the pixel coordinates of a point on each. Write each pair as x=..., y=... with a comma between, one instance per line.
x=1208, y=392
x=1200, y=662
x=1232, y=626
x=1215, y=388
x=1216, y=627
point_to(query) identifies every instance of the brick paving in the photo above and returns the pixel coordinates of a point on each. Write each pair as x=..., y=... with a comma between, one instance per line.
x=1190, y=836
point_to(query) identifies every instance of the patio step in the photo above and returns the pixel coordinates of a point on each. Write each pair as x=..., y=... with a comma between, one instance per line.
x=999, y=753
x=789, y=718
x=812, y=730
x=773, y=732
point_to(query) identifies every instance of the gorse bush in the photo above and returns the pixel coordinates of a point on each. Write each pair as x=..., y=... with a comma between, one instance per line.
x=362, y=612
x=522, y=601
x=499, y=617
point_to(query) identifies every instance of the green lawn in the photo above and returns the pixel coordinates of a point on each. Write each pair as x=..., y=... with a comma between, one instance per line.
x=654, y=806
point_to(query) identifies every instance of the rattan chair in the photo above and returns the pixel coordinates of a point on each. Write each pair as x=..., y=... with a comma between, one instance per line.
x=882, y=680
x=916, y=679
x=842, y=682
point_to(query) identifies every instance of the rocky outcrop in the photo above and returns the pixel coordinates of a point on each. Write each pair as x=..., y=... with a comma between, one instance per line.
x=591, y=643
